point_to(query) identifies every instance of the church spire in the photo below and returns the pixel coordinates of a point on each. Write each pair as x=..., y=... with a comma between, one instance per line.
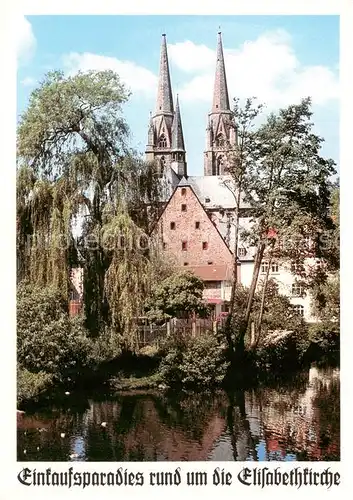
x=221, y=132
x=178, y=146
x=220, y=92
x=164, y=96
x=177, y=130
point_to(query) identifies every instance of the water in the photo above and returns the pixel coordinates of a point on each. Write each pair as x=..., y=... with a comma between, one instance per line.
x=295, y=421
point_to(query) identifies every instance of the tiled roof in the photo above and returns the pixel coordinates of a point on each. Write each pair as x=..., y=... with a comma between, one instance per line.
x=212, y=273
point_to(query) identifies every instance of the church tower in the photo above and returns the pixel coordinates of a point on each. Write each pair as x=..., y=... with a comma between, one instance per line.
x=178, y=147
x=159, y=145
x=221, y=131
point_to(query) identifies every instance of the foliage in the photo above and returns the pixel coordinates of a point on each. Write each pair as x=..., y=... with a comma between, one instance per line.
x=133, y=383
x=287, y=184
x=47, y=341
x=193, y=362
x=324, y=339
x=74, y=161
x=326, y=298
x=31, y=385
x=280, y=350
x=69, y=119
x=278, y=311
x=180, y=294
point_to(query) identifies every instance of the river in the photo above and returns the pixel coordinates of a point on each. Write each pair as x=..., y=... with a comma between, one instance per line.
x=299, y=420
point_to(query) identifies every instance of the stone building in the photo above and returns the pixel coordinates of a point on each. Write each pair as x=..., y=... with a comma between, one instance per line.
x=197, y=225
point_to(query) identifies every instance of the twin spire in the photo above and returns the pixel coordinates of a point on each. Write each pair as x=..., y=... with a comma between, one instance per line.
x=165, y=137
x=164, y=104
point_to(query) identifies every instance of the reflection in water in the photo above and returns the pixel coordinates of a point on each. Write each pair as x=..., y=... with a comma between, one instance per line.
x=297, y=422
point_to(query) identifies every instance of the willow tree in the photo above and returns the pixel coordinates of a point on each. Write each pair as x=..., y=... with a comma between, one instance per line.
x=74, y=164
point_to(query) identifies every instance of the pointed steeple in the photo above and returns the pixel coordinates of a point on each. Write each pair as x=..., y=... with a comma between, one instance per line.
x=178, y=146
x=221, y=132
x=164, y=96
x=177, y=130
x=220, y=92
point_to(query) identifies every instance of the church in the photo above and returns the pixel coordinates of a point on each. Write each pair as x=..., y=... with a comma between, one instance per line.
x=197, y=225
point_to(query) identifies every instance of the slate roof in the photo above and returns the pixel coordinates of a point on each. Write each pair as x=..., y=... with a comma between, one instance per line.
x=214, y=189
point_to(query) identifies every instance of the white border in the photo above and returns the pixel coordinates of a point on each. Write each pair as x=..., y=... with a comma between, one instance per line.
x=9, y=467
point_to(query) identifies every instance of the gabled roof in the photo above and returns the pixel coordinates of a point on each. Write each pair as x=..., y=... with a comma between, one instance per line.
x=213, y=187
x=202, y=207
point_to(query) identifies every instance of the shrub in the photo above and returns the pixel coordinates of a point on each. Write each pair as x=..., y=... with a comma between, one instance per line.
x=324, y=340
x=280, y=350
x=31, y=385
x=172, y=352
x=194, y=362
x=47, y=339
x=104, y=348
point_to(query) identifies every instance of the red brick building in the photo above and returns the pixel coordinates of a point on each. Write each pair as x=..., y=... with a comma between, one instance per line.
x=187, y=232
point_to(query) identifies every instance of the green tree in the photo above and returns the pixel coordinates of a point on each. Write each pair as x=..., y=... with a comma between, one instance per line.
x=178, y=295
x=47, y=340
x=238, y=160
x=287, y=183
x=74, y=160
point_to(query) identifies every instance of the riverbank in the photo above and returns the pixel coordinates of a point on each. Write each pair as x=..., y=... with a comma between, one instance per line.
x=188, y=363
x=150, y=424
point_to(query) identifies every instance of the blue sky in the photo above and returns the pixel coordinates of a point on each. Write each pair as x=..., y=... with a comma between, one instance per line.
x=279, y=59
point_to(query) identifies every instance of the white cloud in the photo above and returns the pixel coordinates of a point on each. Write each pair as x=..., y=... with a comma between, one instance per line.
x=136, y=78
x=28, y=81
x=25, y=40
x=267, y=68
x=190, y=57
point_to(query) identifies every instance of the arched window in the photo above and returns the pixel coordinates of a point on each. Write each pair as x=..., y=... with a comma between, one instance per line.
x=162, y=163
x=219, y=165
x=162, y=143
x=220, y=140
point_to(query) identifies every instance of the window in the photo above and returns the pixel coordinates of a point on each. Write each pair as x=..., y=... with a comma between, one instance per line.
x=298, y=308
x=172, y=225
x=241, y=252
x=164, y=245
x=183, y=191
x=197, y=225
x=162, y=143
x=274, y=267
x=219, y=165
x=207, y=200
x=220, y=140
x=212, y=284
x=210, y=262
x=264, y=267
x=204, y=245
x=184, y=245
x=162, y=163
x=183, y=207
x=297, y=290
x=186, y=263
